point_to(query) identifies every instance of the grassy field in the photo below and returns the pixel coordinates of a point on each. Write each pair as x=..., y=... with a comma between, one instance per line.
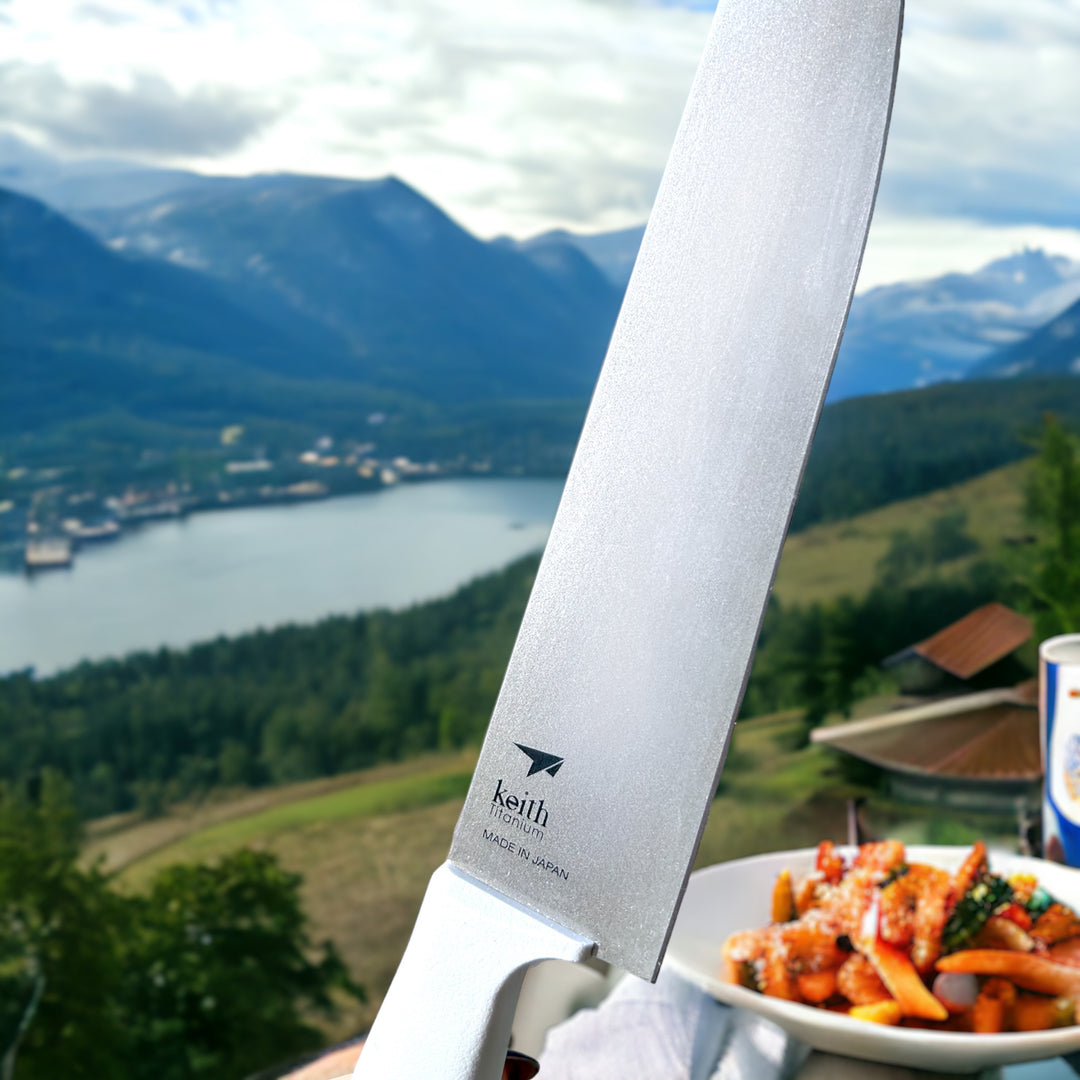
x=118, y=841
x=367, y=847
x=839, y=558
x=311, y=813
x=365, y=844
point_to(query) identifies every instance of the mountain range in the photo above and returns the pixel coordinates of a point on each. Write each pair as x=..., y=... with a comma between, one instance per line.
x=918, y=333
x=1053, y=349
x=186, y=299
x=87, y=332
x=283, y=297
x=417, y=303
x=613, y=253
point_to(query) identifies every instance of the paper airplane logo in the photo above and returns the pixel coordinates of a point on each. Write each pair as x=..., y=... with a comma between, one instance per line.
x=541, y=760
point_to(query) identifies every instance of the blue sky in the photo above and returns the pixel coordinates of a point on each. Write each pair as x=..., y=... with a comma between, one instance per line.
x=517, y=116
x=690, y=5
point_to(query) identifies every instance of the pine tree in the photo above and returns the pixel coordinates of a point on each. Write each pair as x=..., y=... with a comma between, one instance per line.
x=1053, y=507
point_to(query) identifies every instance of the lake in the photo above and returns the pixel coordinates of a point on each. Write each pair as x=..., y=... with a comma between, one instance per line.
x=178, y=582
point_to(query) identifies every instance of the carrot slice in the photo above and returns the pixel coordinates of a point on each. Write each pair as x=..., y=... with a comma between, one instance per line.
x=783, y=899
x=988, y=1016
x=881, y=1012
x=817, y=986
x=903, y=981
x=1032, y=1012
x=994, y=1001
x=1028, y=970
x=1067, y=952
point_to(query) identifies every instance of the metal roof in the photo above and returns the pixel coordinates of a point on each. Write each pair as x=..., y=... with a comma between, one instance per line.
x=996, y=742
x=987, y=736
x=976, y=641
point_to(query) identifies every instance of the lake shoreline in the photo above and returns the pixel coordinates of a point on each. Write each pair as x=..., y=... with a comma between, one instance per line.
x=13, y=559
x=204, y=575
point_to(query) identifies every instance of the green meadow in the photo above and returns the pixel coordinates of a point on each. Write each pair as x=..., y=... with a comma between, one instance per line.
x=840, y=558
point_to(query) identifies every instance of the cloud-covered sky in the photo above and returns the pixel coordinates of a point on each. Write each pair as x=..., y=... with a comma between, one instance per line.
x=518, y=116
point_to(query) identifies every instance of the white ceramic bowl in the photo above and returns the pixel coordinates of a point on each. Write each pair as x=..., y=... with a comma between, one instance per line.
x=738, y=896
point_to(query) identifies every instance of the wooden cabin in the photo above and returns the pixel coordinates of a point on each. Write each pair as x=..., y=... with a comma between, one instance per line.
x=977, y=751
x=974, y=652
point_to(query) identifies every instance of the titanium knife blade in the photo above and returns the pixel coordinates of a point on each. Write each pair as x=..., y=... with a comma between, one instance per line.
x=607, y=740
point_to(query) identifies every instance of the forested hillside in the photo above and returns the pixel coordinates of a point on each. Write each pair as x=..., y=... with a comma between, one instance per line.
x=294, y=703
x=268, y=707
x=299, y=702
x=875, y=450
x=303, y=702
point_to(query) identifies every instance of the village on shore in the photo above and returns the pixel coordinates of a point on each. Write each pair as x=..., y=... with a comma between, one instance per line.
x=48, y=514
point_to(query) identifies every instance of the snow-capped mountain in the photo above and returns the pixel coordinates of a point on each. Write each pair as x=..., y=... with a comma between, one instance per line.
x=1054, y=349
x=916, y=333
x=910, y=334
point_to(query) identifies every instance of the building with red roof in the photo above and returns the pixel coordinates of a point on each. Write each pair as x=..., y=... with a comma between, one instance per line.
x=976, y=649
x=972, y=743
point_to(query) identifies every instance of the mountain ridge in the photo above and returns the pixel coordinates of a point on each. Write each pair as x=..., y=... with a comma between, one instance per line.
x=548, y=314
x=907, y=334
x=913, y=334
x=1053, y=349
x=91, y=328
x=418, y=298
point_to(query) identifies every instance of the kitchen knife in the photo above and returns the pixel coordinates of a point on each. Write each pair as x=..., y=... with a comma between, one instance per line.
x=607, y=740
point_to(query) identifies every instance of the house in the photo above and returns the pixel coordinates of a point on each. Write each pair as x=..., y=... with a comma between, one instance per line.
x=977, y=751
x=973, y=653
x=972, y=744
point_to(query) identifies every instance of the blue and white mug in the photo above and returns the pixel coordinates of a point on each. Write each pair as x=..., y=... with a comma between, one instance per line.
x=1059, y=716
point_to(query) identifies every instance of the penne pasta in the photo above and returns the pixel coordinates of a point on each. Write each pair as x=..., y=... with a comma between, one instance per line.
x=890, y=942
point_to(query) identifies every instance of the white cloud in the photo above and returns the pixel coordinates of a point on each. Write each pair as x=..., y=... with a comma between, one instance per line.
x=515, y=117
x=912, y=249
x=522, y=116
x=986, y=121
x=147, y=116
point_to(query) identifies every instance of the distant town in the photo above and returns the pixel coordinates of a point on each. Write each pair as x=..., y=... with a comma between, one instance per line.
x=48, y=514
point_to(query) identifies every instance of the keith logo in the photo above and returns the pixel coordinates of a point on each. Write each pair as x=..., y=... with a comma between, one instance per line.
x=541, y=760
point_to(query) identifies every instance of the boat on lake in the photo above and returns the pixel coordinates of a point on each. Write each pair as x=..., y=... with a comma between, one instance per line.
x=50, y=553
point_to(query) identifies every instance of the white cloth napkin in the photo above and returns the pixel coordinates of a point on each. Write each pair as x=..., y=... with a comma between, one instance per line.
x=673, y=1031
x=667, y=1031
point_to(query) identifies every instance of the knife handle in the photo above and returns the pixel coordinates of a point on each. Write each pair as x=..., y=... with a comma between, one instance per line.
x=449, y=1009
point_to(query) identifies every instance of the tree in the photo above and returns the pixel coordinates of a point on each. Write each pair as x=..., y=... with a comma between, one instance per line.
x=904, y=559
x=209, y=976
x=220, y=971
x=58, y=969
x=1052, y=577
x=947, y=537
x=913, y=555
